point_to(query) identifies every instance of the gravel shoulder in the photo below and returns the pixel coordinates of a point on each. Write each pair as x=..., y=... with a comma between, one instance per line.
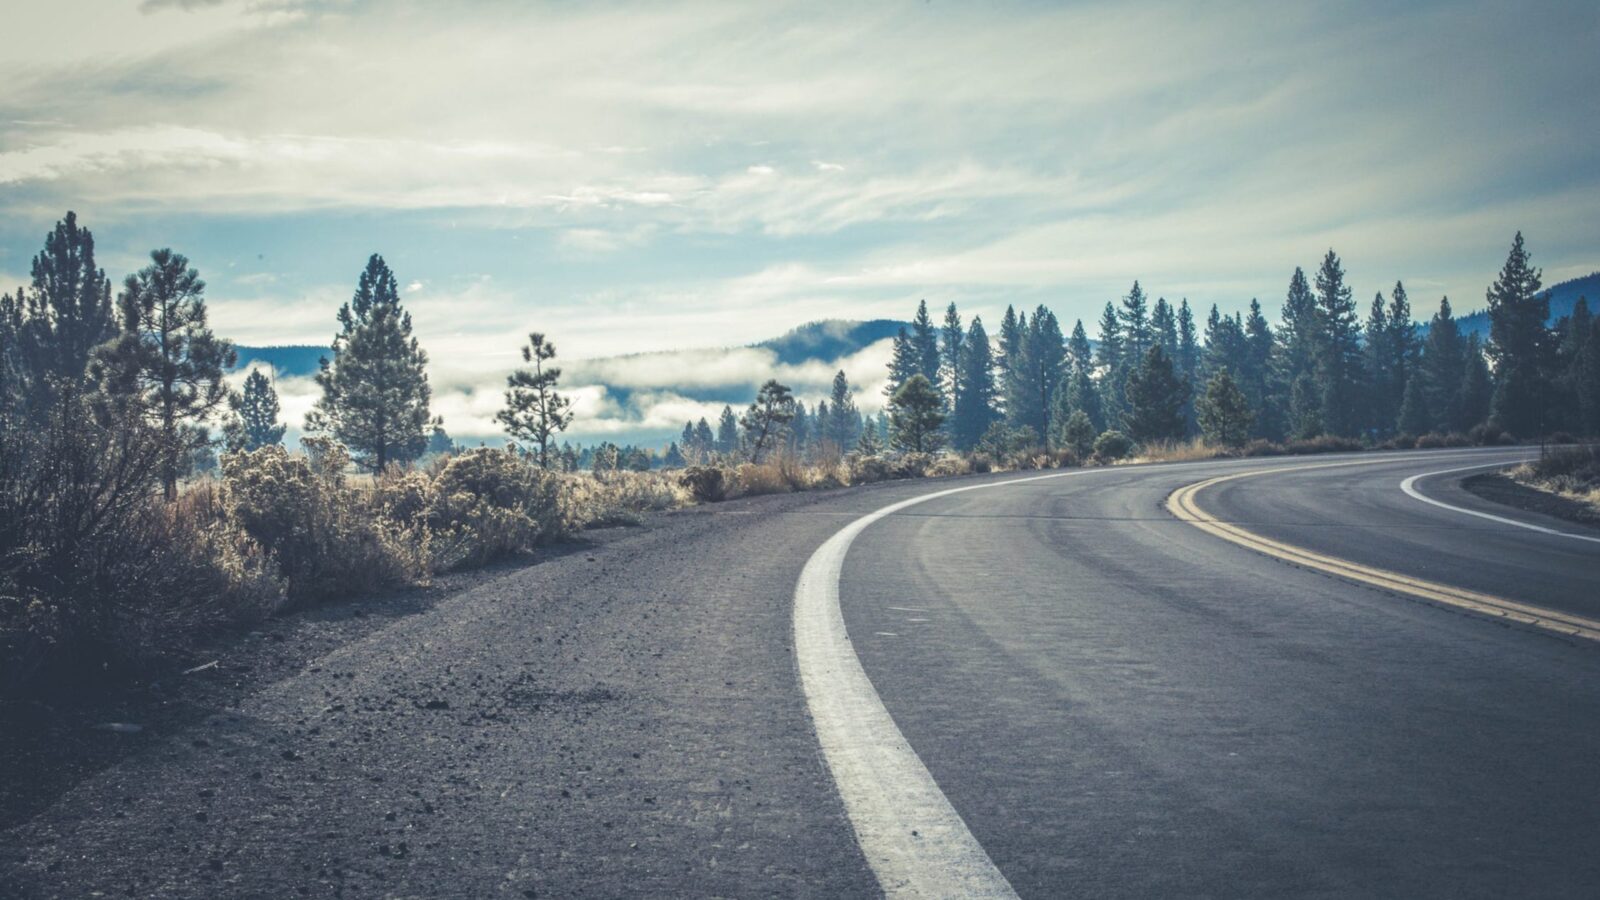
x=620, y=718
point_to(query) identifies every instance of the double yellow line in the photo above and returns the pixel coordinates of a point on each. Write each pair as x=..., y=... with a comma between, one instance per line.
x=1182, y=504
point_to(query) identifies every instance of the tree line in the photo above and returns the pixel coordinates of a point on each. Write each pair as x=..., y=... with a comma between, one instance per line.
x=1154, y=375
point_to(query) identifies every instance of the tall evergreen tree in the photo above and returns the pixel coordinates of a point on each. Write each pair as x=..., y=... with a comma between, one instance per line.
x=1384, y=389
x=1339, y=350
x=66, y=315
x=1257, y=377
x=1297, y=347
x=375, y=388
x=1135, y=318
x=843, y=419
x=1045, y=357
x=1109, y=358
x=1403, y=341
x=903, y=362
x=916, y=415
x=870, y=444
x=727, y=432
x=1164, y=327
x=534, y=411
x=951, y=341
x=767, y=419
x=925, y=341
x=1477, y=388
x=1155, y=399
x=1518, y=344
x=975, y=402
x=168, y=361
x=1441, y=370
x=1080, y=353
x=1188, y=353
x=255, y=409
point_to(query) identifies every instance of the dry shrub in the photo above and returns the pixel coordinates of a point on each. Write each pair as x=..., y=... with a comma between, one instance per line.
x=1192, y=450
x=1326, y=443
x=1261, y=447
x=325, y=539
x=948, y=464
x=755, y=479
x=491, y=503
x=620, y=497
x=708, y=484
x=868, y=469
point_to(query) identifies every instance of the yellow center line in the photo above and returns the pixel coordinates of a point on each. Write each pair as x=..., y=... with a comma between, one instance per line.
x=1182, y=504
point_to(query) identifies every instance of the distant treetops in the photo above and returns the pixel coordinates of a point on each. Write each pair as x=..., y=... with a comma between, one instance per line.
x=1322, y=371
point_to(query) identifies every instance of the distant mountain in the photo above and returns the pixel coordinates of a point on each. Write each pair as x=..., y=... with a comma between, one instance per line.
x=289, y=359
x=829, y=339
x=1563, y=297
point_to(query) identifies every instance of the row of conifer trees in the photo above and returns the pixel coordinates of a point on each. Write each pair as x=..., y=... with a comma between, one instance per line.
x=1154, y=374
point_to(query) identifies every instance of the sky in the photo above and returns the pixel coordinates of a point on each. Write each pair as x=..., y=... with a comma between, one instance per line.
x=684, y=177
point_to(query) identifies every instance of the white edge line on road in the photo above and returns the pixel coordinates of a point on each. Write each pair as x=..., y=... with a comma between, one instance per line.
x=1410, y=487
x=914, y=840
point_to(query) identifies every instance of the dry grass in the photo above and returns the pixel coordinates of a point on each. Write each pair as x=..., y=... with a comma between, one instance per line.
x=1182, y=451
x=1570, y=472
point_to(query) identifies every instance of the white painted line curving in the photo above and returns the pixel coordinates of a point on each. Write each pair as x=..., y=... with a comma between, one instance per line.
x=1410, y=487
x=915, y=841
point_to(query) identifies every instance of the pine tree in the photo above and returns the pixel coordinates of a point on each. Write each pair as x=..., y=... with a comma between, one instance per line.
x=1415, y=417
x=1188, y=358
x=903, y=362
x=727, y=432
x=916, y=415
x=255, y=423
x=704, y=440
x=1339, y=350
x=1077, y=434
x=686, y=440
x=1016, y=370
x=1155, y=399
x=167, y=362
x=1135, y=318
x=1297, y=357
x=1257, y=376
x=951, y=342
x=1164, y=327
x=925, y=341
x=1224, y=412
x=1046, y=356
x=1080, y=353
x=805, y=429
x=1518, y=343
x=976, y=401
x=673, y=458
x=767, y=418
x=1477, y=388
x=375, y=389
x=1383, y=390
x=1403, y=342
x=869, y=444
x=1081, y=394
x=1109, y=357
x=66, y=315
x=534, y=412
x=843, y=419
x=1441, y=370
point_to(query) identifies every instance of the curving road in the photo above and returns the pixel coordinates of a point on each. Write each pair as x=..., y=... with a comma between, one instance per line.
x=1059, y=689
x=1120, y=704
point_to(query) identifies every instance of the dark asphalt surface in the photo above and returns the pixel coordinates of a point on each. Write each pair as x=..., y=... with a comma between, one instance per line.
x=1121, y=705
x=1116, y=702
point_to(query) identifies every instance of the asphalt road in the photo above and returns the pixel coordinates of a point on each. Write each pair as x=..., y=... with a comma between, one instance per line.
x=1115, y=702
x=1121, y=705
